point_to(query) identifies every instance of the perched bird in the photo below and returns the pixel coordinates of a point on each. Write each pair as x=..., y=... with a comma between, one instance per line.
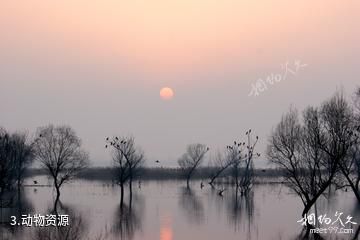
x=157, y=161
x=201, y=185
x=35, y=182
x=106, y=146
x=107, y=139
x=221, y=192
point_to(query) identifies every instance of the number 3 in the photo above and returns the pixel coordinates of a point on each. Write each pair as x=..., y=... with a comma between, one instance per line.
x=13, y=221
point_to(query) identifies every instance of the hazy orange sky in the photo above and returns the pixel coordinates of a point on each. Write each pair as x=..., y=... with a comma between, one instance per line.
x=99, y=66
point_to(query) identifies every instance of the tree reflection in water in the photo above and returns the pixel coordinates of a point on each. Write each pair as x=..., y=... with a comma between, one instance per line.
x=127, y=218
x=241, y=210
x=13, y=203
x=75, y=231
x=192, y=205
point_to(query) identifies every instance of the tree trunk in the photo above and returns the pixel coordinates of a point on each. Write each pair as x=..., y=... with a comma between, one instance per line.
x=130, y=185
x=122, y=195
x=352, y=185
x=57, y=197
x=130, y=192
x=217, y=175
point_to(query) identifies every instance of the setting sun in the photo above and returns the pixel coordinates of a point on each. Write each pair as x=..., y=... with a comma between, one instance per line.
x=166, y=93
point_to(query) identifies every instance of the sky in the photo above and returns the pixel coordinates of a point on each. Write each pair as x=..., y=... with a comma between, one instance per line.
x=98, y=66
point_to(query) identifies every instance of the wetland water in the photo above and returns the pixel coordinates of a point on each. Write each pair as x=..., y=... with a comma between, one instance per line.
x=167, y=210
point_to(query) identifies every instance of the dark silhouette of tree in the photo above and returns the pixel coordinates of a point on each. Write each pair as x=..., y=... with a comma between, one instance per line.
x=309, y=152
x=246, y=163
x=239, y=157
x=58, y=149
x=350, y=166
x=222, y=162
x=192, y=158
x=7, y=170
x=23, y=155
x=128, y=158
x=16, y=154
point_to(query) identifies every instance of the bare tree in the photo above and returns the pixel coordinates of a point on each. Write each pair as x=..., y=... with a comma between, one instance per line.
x=350, y=166
x=285, y=151
x=23, y=155
x=128, y=158
x=16, y=154
x=310, y=152
x=59, y=152
x=242, y=154
x=222, y=162
x=239, y=157
x=191, y=159
x=7, y=169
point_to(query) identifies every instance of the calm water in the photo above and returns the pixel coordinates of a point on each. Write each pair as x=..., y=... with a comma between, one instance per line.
x=168, y=211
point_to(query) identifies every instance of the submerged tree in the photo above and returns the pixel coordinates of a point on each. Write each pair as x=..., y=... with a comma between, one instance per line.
x=191, y=159
x=16, y=154
x=23, y=155
x=7, y=169
x=239, y=158
x=350, y=165
x=247, y=164
x=222, y=163
x=309, y=152
x=128, y=159
x=58, y=149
